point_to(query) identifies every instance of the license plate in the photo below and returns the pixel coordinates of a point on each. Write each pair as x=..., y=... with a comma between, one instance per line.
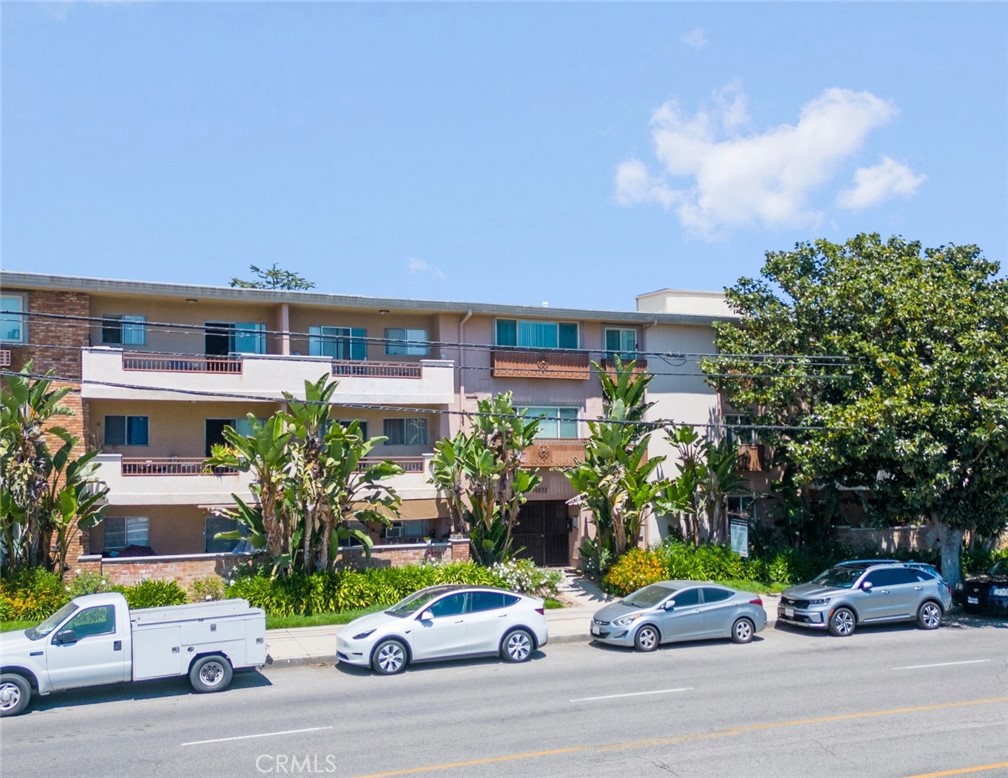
x=972, y=601
x=596, y=630
x=789, y=612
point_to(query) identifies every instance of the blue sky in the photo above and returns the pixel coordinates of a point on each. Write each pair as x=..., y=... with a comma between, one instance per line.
x=571, y=153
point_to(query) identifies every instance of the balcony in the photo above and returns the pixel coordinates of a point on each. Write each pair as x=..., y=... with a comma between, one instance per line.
x=110, y=373
x=184, y=480
x=554, y=452
x=752, y=457
x=544, y=363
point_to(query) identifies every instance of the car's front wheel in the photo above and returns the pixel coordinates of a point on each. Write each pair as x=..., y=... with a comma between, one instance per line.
x=15, y=694
x=517, y=646
x=647, y=638
x=742, y=630
x=842, y=622
x=929, y=615
x=389, y=657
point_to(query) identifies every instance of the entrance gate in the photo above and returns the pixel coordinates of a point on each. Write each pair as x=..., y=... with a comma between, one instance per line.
x=542, y=531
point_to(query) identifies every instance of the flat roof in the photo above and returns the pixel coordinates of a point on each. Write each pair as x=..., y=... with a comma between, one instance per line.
x=29, y=281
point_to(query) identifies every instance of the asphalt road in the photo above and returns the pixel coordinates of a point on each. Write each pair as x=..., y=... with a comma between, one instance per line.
x=892, y=701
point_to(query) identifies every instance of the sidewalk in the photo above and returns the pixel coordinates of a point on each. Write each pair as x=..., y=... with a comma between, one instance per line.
x=317, y=645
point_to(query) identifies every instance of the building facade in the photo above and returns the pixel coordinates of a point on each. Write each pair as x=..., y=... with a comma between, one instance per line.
x=159, y=370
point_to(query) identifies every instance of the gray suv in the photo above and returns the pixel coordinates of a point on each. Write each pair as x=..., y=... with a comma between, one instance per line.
x=866, y=592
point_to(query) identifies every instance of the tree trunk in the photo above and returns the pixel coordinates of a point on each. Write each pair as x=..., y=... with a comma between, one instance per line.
x=951, y=546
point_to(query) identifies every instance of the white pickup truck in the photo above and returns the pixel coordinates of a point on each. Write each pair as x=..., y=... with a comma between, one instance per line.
x=96, y=639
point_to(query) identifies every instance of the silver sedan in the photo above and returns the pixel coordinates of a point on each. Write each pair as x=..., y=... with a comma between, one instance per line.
x=445, y=622
x=672, y=611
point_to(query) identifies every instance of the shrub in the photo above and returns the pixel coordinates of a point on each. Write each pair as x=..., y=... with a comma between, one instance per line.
x=33, y=595
x=522, y=575
x=87, y=582
x=636, y=568
x=210, y=588
x=154, y=594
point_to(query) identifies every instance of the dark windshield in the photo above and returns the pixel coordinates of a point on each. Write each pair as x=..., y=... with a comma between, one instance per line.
x=999, y=568
x=47, y=626
x=649, y=596
x=839, y=577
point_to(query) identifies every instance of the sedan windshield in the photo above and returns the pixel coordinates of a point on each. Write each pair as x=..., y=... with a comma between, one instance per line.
x=999, y=568
x=839, y=577
x=47, y=626
x=649, y=596
x=415, y=601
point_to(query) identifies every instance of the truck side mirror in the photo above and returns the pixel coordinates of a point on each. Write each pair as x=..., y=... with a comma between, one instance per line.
x=66, y=636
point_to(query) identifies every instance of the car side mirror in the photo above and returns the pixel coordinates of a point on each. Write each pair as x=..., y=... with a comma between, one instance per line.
x=866, y=586
x=427, y=615
x=670, y=605
x=66, y=636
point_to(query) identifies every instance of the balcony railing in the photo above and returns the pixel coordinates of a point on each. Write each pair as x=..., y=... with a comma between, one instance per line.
x=640, y=364
x=545, y=363
x=342, y=367
x=136, y=466
x=179, y=363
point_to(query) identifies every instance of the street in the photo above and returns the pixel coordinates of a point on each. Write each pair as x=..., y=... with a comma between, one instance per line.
x=891, y=701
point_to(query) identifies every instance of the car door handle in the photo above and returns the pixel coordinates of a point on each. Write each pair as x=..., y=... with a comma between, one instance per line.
x=460, y=621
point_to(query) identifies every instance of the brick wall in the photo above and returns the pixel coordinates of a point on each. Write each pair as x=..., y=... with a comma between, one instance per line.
x=398, y=555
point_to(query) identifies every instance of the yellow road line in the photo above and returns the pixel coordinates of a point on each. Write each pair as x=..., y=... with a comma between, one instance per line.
x=731, y=732
x=962, y=771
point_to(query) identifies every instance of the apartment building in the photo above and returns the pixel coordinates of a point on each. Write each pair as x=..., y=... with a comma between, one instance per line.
x=158, y=370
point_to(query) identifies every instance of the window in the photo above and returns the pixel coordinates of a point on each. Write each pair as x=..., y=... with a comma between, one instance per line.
x=127, y=330
x=452, y=605
x=93, y=621
x=621, y=343
x=404, y=342
x=739, y=430
x=892, y=576
x=122, y=532
x=740, y=507
x=555, y=422
x=406, y=432
x=13, y=323
x=537, y=334
x=248, y=338
x=687, y=597
x=489, y=601
x=212, y=525
x=711, y=595
x=347, y=422
x=337, y=342
x=126, y=431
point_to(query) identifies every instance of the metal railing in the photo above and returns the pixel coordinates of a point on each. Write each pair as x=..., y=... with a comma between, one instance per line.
x=134, y=466
x=350, y=367
x=181, y=363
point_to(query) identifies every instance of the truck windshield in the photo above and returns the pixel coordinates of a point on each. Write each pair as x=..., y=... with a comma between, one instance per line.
x=47, y=626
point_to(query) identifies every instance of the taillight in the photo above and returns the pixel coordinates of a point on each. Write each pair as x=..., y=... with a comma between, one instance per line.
x=756, y=601
x=541, y=611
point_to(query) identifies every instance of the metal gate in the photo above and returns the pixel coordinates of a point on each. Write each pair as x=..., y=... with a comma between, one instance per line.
x=542, y=533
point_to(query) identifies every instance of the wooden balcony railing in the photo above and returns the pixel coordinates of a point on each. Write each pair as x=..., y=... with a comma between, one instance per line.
x=752, y=457
x=554, y=452
x=545, y=363
x=359, y=367
x=181, y=363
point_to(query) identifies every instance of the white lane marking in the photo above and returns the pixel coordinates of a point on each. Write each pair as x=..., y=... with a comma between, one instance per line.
x=249, y=737
x=943, y=664
x=631, y=694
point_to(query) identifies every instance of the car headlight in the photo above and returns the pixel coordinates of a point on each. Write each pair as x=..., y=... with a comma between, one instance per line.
x=820, y=601
x=363, y=635
x=1001, y=591
x=626, y=621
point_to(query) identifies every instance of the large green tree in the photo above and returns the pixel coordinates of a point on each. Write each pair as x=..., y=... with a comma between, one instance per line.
x=617, y=480
x=480, y=473
x=880, y=365
x=313, y=482
x=273, y=278
x=47, y=494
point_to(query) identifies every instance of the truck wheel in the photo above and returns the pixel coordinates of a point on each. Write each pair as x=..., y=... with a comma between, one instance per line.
x=15, y=694
x=210, y=674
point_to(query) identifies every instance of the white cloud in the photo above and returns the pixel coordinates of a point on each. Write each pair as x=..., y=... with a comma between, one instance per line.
x=736, y=177
x=419, y=266
x=873, y=185
x=696, y=38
